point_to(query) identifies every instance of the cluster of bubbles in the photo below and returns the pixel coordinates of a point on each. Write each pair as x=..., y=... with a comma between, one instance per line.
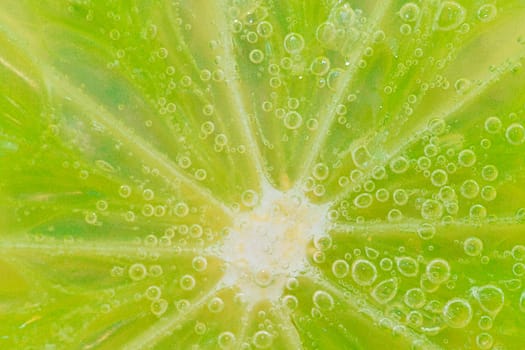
x=403, y=286
x=459, y=179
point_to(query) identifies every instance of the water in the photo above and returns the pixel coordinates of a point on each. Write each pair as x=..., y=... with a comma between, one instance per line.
x=262, y=175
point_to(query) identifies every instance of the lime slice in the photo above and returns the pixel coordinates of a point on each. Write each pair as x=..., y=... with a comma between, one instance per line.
x=256, y=174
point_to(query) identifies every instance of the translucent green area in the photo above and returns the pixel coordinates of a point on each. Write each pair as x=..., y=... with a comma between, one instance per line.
x=134, y=133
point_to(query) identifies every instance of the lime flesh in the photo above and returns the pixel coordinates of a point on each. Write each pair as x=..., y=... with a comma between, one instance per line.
x=256, y=174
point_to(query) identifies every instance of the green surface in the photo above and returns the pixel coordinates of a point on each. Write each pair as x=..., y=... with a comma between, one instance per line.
x=243, y=174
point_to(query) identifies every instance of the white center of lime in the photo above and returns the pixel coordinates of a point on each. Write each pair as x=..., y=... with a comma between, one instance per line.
x=270, y=243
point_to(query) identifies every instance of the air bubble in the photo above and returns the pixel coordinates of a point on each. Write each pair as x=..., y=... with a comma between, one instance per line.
x=221, y=140
x=515, y=134
x=477, y=211
x=320, y=65
x=386, y=264
x=437, y=126
x=409, y=12
x=159, y=307
x=325, y=33
x=449, y=16
x=184, y=162
x=151, y=241
x=394, y=215
x=323, y=242
x=405, y=29
x=200, y=174
x=129, y=216
x=469, y=189
x=484, y=341
x=293, y=120
x=199, y=263
x=466, y=158
x=415, y=298
x=399, y=165
x=340, y=268
x=182, y=304
x=344, y=16
x=438, y=271
x=114, y=34
x=473, y=246
x=320, y=171
x=485, y=322
x=153, y=292
x=91, y=218
x=490, y=298
x=196, y=231
x=199, y=328
x=493, y=125
x=262, y=340
x=208, y=127
x=162, y=52
x=512, y=284
x=382, y=195
x=290, y=302
x=226, y=340
x=489, y=173
x=426, y=231
x=148, y=210
x=439, y=177
x=361, y=156
x=415, y=319
x=250, y=198
x=462, y=85
x=518, y=269
x=457, y=313
x=363, y=200
x=155, y=270
x=364, y=272
x=186, y=81
x=187, y=282
x=431, y=209
x=379, y=172
x=371, y=253
x=205, y=75
x=256, y=56
x=292, y=283
x=102, y=205
x=334, y=78
x=400, y=197
x=148, y=194
x=137, y=272
x=518, y=252
x=216, y=305
x=323, y=301
x=293, y=103
x=424, y=163
x=263, y=278
x=407, y=266
x=264, y=29
x=124, y=191
x=181, y=209
x=319, y=257
x=293, y=43
x=487, y=12
x=385, y=291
